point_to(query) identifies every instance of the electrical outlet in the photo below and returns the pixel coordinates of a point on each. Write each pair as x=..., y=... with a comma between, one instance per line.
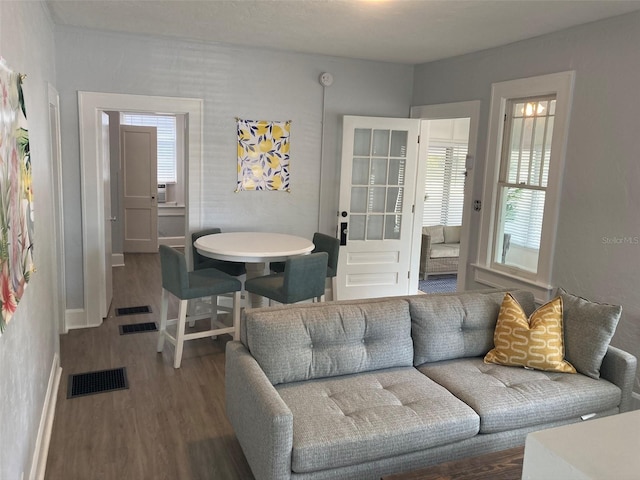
x=477, y=205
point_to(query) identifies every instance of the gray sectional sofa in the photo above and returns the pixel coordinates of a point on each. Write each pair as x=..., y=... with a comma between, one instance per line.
x=360, y=389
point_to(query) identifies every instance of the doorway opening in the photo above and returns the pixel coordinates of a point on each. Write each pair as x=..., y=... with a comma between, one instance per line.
x=90, y=104
x=447, y=159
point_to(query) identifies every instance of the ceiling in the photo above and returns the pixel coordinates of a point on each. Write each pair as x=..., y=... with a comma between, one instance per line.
x=401, y=31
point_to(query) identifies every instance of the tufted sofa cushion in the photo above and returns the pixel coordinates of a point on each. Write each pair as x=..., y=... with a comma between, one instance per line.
x=326, y=340
x=358, y=418
x=460, y=325
x=507, y=398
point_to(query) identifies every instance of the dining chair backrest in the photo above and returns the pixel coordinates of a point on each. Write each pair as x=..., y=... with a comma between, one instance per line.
x=200, y=261
x=331, y=245
x=304, y=276
x=175, y=277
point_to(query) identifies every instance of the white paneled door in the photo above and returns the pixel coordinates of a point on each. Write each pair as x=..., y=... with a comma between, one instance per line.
x=139, y=154
x=376, y=207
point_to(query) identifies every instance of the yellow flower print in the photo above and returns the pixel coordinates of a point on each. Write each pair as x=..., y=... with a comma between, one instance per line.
x=284, y=148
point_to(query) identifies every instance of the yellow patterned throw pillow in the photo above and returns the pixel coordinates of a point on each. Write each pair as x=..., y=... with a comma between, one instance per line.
x=534, y=342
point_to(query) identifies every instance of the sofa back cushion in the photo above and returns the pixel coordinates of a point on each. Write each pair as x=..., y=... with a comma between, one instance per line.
x=458, y=325
x=452, y=234
x=436, y=232
x=330, y=339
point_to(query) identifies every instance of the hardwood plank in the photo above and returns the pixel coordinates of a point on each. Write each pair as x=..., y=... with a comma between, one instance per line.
x=170, y=424
x=502, y=465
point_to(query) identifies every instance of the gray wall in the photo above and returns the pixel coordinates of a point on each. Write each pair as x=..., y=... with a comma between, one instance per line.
x=30, y=342
x=233, y=82
x=601, y=186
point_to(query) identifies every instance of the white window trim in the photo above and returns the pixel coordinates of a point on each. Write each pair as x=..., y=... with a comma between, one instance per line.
x=487, y=273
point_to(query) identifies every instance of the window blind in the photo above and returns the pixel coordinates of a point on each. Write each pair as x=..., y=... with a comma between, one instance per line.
x=444, y=185
x=166, y=126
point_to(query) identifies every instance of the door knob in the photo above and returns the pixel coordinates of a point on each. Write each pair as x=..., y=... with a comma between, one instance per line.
x=112, y=219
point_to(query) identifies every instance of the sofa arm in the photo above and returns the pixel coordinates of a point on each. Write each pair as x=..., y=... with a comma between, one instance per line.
x=619, y=367
x=262, y=421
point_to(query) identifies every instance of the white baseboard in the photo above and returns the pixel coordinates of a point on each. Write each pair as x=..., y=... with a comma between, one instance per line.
x=172, y=241
x=41, y=451
x=75, y=318
x=117, y=259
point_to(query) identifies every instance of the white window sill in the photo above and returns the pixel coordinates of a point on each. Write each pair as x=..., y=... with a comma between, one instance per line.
x=497, y=279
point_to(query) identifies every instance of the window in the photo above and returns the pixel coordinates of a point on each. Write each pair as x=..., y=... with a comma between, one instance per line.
x=166, y=125
x=444, y=184
x=524, y=176
x=525, y=157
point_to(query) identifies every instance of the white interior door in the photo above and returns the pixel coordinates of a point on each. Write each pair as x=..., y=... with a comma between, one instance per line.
x=376, y=207
x=139, y=154
x=105, y=304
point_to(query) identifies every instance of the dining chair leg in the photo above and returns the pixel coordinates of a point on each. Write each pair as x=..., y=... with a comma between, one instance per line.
x=237, y=306
x=182, y=316
x=214, y=314
x=164, y=307
x=334, y=288
x=192, y=310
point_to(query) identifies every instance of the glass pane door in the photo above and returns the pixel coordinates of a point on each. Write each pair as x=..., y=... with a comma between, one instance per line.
x=377, y=184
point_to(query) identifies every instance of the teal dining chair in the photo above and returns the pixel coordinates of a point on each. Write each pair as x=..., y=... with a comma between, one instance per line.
x=303, y=279
x=235, y=269
x=322, y=243
x=185, y=285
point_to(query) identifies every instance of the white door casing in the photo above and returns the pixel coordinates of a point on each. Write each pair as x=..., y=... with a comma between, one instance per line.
x=139, y=156
x=90, y=104
x=59, y=297
x=105, y=302
x=377, y=221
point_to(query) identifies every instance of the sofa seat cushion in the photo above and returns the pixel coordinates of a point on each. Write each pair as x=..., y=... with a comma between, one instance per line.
x=347, y=420
x=445, y=250
x=507, y=398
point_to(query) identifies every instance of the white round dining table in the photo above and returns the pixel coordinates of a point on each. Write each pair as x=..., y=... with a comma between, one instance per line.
x=255, y=249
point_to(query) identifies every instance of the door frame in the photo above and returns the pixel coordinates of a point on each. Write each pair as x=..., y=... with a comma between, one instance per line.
x=90, y=105
x=471, y=110
x=60, y=295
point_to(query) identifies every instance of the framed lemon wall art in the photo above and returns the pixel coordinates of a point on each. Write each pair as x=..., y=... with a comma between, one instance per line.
x=263, y=155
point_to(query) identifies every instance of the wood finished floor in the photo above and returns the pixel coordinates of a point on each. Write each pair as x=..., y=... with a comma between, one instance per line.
x=169, y=424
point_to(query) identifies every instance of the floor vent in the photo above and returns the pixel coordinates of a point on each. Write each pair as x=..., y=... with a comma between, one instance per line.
x=133, y=310
x=138, y=328
x=82, y=384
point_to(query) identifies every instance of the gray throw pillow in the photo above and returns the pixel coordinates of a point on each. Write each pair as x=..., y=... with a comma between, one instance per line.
x=588, y=329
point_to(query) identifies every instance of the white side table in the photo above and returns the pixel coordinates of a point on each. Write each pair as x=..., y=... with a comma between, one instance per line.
x=600, y=449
